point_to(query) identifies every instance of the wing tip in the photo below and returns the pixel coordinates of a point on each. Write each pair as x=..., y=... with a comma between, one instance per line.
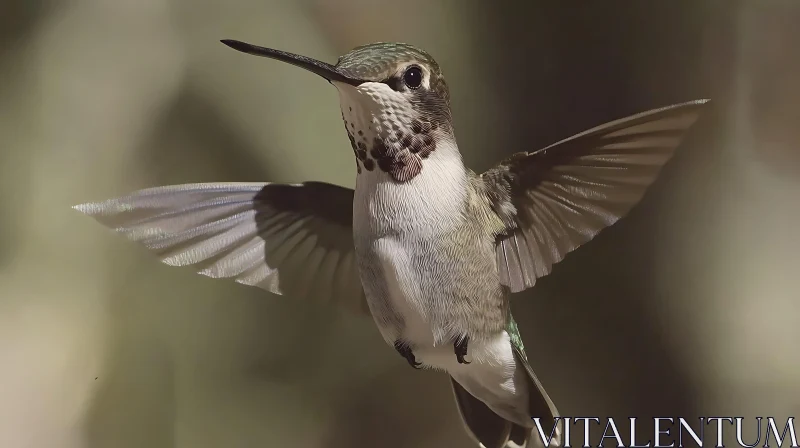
x=93, y=209
x=690, y=107
x=104, y=208
x=695, y=104
x=85, y=208
x=215, y=272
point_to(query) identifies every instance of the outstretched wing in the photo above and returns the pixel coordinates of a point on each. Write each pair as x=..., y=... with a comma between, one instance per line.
x=295, y=240
x=553, y=200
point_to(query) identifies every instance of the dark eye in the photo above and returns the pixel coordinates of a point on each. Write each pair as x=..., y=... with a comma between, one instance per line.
x=413, y=77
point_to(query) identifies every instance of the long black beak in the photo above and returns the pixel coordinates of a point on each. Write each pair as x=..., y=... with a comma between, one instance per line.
x=323, y=69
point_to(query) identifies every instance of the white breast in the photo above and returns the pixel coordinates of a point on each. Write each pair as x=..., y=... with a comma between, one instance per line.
x=429, y=204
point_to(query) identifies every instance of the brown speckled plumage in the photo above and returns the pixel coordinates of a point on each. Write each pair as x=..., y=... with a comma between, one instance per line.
x=401, y=155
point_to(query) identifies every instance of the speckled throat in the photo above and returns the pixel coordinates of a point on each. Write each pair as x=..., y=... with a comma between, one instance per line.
x=399, y=153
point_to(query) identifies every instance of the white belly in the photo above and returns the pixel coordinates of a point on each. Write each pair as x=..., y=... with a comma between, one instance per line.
x=409, y=292
x=415, y=295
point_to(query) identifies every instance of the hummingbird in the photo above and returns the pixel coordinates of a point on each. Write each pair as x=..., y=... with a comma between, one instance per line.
x=427, y=247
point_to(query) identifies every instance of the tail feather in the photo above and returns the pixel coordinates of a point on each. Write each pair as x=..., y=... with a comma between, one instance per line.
x=487, y=428
x=490, y=430
x=540, y=405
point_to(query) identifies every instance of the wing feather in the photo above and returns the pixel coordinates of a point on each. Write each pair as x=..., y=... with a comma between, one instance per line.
x=561, y=196
x=295, y=240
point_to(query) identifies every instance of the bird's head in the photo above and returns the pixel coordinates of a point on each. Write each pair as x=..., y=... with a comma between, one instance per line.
x=394, y=100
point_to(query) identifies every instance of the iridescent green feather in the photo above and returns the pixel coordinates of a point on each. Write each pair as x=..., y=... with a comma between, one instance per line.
x=516, y=339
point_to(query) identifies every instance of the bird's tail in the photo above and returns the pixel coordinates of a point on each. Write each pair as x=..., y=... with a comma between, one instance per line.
x=493, y=431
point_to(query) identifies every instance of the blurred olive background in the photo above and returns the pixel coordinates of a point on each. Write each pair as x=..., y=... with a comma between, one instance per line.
x=687, y=307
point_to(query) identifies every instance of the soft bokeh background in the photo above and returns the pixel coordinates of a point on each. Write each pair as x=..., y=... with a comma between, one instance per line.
x=687, y=307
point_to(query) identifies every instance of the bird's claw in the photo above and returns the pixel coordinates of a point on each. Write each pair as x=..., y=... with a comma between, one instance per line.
x=460, y=347
x=407, y=353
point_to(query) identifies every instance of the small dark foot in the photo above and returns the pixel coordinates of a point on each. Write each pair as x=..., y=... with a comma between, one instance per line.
x=461, y=349
x=407, y=353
